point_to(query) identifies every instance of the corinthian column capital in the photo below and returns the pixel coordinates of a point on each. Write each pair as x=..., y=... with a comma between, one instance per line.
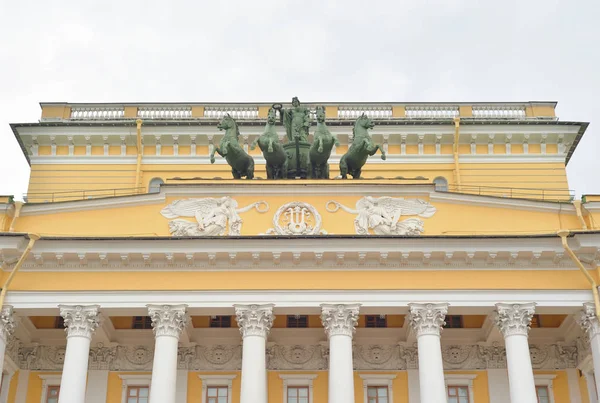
x=339, y=319
x=168, y=320
x=588, y=320
x=427, y=319
x=254, y=320
x=7, y=322
x=80, y=320
x=514, y=319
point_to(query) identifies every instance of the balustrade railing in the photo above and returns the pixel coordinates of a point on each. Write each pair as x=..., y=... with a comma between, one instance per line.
x=432, y=111
x=97, y=113
x=236, y=112
x=166, y=112
x=354, y=111
x=499, y=111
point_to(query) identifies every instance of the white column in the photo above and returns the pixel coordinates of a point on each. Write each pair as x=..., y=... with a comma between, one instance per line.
x=7, y=327
x=5, y=387
x=168, y=321
x=97, y=386
x=427, y=320
x=339, y=322
x=514, y=320
x=591, y=388
x=255, y=323
x=589, y=323
x=80, y=324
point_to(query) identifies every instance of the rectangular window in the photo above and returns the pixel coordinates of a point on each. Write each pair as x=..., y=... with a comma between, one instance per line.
x=220, y=321
x=296, y=321
x=297, y=394
x=141, y=322
x=458, y=394
x=454, y=322
x=376, y=321
x=138, y=394
x=216, y=394
x=52, y=395
x=543, y=394
x=377, y=394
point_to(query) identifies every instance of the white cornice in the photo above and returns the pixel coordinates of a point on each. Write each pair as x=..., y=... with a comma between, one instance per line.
x=199, y=302
x=201, y=160
x=592, y=207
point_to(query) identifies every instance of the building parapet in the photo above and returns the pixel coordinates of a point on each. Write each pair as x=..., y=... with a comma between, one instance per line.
x=343, y=111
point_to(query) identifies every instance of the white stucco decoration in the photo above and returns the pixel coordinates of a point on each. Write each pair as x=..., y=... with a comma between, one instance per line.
x=382, y=215
x=296, y=218
x=214, y=217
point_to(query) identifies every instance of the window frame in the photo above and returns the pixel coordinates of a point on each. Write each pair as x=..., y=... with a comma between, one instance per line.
x=464, y=380
x=137, y=387
x=297, y=319
x=297, y=380
x=216, y=380
x=547, y=381
x=378, y=380
x=441, y=185
x=376, y=319
x=134, y=380
x=48, y=380
x=219, y=319
x=155, y=180
x=145, y=320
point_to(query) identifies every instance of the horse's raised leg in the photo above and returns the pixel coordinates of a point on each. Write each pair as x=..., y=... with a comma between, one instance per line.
x=212, y=155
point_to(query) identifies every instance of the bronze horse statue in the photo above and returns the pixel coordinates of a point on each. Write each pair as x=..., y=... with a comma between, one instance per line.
x=275, y=156
x=362, y=147
x=229, y=148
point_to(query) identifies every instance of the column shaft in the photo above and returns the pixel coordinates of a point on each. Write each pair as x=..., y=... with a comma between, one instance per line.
x=426, y=321
x=80, y=324
x=514, y=320
x=255, y=322
x=591, y=387
x=168, y=321
x=339, y=322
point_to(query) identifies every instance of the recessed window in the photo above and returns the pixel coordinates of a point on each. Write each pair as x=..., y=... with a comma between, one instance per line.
x=154, y=186
x=376, y=321
x=454, y=322
x=220, y=321
x=297, y=321
x=543, y=394
x=458, y=394
x=217, y=394
x=441, y=184
x=141, y=322
x=297, y=394
x=59, y=322
x=377, y=394
x=138, y=394
x=535, y=321
x=52, y=394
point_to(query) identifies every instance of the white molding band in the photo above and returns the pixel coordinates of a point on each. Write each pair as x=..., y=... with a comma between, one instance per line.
x=217, y=380
x=377, y=380
x=297, y=380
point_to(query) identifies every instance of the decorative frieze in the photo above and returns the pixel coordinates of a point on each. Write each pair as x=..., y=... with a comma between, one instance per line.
x=339, y=319
x=7, y=322
x=514, y=319
x=297, y=357
x=296, y=218
x=80, y=321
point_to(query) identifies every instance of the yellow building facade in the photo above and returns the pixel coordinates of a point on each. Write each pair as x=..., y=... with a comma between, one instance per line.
x=459, y=269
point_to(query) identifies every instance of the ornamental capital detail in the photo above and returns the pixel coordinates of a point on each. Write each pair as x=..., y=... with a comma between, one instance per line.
x=339, y=319
x=254, y=320
x=427, y=319
x=168, y=320
x=80, y=320
x=588, y=320
x=7, y=322
x=514, y=319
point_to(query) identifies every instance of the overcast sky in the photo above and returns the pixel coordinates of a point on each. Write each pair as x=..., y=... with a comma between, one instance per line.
x=321, y=50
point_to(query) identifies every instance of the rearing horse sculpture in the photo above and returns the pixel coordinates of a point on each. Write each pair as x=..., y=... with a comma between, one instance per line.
x=229, y=148
x=320, y=150
x=362, y=147
x=269, y=144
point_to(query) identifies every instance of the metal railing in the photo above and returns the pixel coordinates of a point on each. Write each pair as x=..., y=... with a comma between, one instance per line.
x=555, y=195
x=71, y=195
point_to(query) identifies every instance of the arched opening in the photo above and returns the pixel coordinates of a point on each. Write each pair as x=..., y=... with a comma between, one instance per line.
x=441, y=184
x=154, y=186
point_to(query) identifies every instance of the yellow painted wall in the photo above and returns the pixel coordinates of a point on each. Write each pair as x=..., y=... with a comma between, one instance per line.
x=12, y=392
x=480, y=384
x=399, y=385
x=560, y=384
x=34, y=388
x=43, y=322
x=275, y=392
x=115, y=386
x=195, y=386
x=297, y=280
x=473, y=321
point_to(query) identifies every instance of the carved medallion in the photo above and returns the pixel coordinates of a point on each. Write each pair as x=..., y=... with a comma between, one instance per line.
x=296, y=218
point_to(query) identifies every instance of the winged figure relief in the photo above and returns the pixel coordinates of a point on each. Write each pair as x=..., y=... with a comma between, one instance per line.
x=214, y=216
x=382, y=215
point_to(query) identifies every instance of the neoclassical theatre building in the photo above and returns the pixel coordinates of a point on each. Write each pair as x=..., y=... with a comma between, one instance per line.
x=159, y=256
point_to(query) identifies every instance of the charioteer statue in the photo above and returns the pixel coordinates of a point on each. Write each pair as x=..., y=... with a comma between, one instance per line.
x=296, y=121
